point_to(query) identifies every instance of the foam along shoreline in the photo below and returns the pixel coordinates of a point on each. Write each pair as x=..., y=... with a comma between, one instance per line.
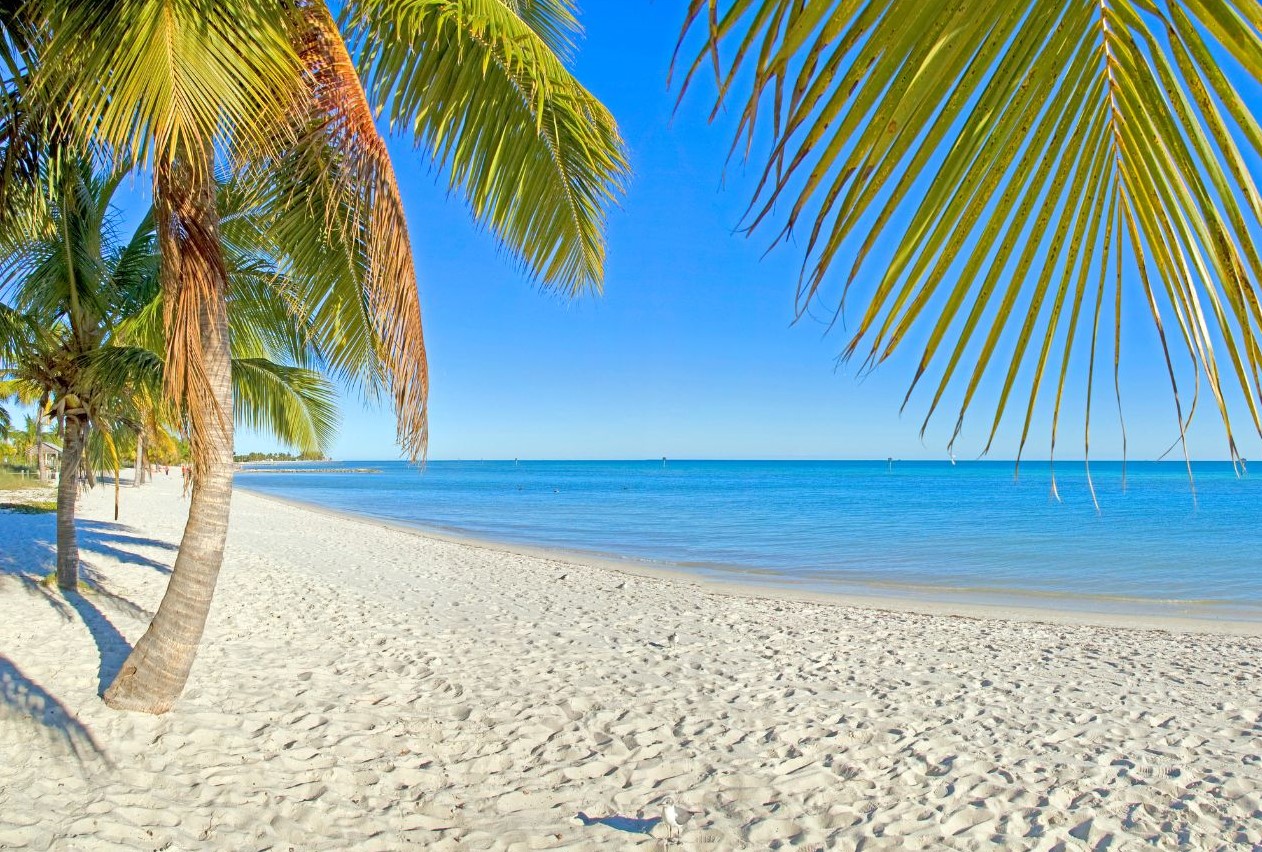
x=993, y=603
x=362, y=686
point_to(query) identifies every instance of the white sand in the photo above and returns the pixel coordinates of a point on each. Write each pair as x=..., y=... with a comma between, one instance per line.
x=362, y=687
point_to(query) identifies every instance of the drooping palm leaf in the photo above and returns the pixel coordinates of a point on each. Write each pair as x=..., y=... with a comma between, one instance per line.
x=335, y=217
x=298, y=406
x=996, y=174
x=478, y=86
x=554, y=21
x=17, y=332
x=19, y=148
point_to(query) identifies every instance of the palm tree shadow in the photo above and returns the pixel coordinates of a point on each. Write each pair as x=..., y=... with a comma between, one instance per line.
x=22, y=700
x=108, y=540
x=121, y=533
x=112, y=646
x=26, y=557
x=34, y=584
x=93, y=580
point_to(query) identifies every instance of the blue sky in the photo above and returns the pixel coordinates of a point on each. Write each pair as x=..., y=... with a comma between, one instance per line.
x=692, y=351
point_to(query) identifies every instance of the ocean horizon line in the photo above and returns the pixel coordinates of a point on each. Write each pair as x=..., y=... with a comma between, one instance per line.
x=773, y=460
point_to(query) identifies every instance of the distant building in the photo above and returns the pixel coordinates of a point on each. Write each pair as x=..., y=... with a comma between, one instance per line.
x=51, y=455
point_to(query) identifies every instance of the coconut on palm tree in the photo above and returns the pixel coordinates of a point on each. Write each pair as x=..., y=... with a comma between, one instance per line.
x=999, y=178
x=282, y=92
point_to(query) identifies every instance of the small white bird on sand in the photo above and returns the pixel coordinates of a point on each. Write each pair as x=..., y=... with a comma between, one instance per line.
x=675, y=816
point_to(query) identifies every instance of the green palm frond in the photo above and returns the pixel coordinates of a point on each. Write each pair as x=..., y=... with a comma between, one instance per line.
x=539, y=158
x=270, y=315
x=18, y=332
x=330, y=268
x=265, y=318
x=265, y=310
x=153, y=78
x=554, y=21
x=126, y=367
x=298, y=406
x=996, y=174
x=53, y=251
x=24, y=133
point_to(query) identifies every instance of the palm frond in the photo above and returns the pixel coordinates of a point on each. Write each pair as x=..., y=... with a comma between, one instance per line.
x=24, y=128
x=985, y=171
x=539, y=158
x=153, y=79
x=338, y=222
x=298, y=406
x=18, y=333
x=554, y=21
x=124, y=369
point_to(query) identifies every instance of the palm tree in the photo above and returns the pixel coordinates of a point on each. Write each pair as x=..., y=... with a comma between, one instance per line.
x=272, y=89
x=1023, y=167
x=7, y=389
x=26, y=440
x=97, y=363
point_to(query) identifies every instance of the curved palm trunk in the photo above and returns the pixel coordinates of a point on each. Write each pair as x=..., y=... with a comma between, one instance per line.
x=67, y=491
x=154, y=674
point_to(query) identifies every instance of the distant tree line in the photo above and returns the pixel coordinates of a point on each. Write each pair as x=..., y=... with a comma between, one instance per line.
x=282, y=457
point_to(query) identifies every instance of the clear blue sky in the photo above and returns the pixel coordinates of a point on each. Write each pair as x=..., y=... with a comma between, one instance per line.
x=692, y=350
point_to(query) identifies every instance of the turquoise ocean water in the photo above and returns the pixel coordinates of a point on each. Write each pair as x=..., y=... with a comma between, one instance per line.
x=924, y=529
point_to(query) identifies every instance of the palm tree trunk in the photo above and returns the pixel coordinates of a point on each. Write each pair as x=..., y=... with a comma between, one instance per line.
x=39, y=440
x=138, y=477
x=67, y=491
x=89, y=474
x=154, y=675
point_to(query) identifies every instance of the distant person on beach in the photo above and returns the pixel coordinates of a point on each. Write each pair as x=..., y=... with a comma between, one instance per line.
x=187, y=473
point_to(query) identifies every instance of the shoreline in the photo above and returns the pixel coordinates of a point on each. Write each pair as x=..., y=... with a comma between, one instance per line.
x=1003, y=605
x=362, y=687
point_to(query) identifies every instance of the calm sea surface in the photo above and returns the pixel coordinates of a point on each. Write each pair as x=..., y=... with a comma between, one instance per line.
x=925, y=529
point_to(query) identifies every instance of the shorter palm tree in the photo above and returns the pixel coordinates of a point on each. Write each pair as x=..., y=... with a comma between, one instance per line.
x=27, y=439
x=97, y=360
x=6, y=419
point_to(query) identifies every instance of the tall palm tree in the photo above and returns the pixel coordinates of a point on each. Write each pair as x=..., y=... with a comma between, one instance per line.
x=1001, y=175
x=97, y=361
x=274, y=89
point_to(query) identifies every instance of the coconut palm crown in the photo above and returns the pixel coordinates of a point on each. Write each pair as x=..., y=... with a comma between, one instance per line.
x=285, y=94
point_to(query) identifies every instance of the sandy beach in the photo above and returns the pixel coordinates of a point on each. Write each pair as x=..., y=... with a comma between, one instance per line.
x=371, y=688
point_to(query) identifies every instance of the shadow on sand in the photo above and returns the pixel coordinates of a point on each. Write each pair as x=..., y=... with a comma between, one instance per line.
x=23, y=701
x=31, y=559
x=119, y=534
x=112, y=646
x=112, y=539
